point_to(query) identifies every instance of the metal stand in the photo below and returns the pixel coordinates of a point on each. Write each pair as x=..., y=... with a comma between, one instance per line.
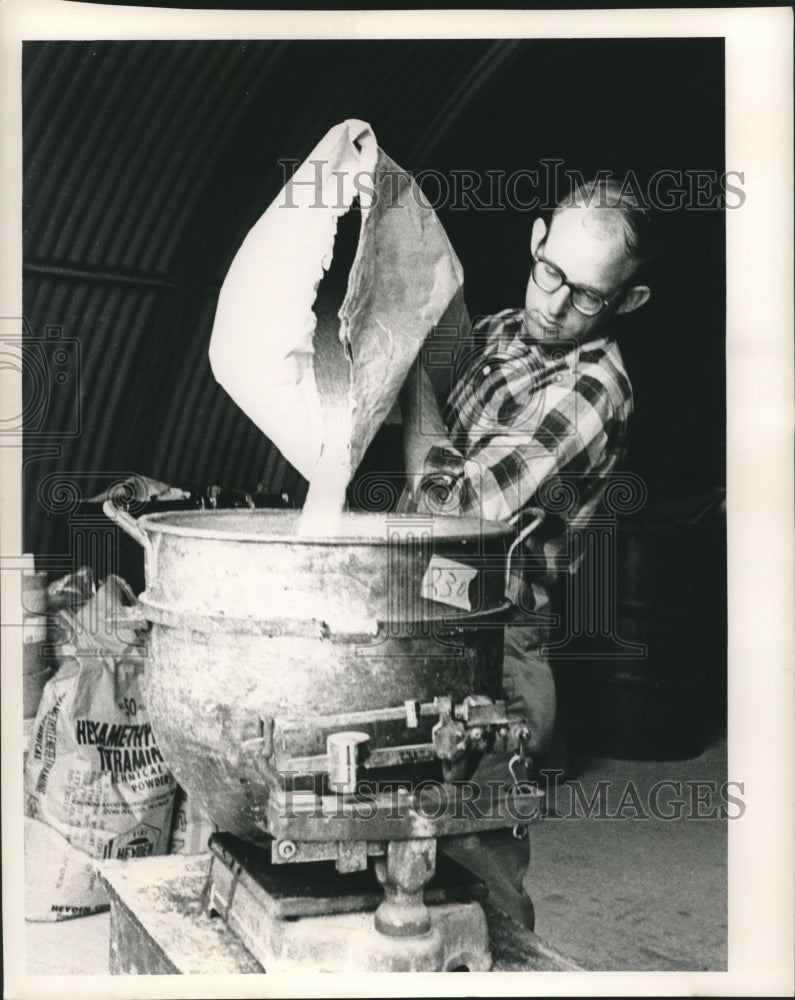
x=399, y=915
x=408, y=867
x=456, y=938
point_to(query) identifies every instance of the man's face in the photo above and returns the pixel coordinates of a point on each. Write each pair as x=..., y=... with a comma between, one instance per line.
x=588, y=254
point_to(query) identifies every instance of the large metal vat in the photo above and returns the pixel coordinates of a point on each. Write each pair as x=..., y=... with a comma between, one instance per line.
x=257, y=630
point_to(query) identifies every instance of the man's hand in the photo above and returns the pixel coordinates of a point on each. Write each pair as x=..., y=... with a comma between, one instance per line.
x=432, y=463
x=422, y=421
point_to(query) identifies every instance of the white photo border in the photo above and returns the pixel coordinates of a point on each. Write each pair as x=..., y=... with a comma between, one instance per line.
x=759, y=355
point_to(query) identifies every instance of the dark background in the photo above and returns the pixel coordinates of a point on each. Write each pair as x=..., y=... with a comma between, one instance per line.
x=145, y=164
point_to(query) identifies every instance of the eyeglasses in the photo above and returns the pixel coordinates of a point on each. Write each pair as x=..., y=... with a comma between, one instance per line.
x=550, y=278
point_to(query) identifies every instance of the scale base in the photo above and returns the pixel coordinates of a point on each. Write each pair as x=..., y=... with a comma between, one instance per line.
x=349, y=942
x=159, y=926
x=292, y=919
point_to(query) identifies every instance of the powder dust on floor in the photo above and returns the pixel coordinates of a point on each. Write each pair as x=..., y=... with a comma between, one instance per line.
x=611, y=894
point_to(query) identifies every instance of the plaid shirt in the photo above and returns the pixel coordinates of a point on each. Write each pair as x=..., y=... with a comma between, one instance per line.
x=532, y=426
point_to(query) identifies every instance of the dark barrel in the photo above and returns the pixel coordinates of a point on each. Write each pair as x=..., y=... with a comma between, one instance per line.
x=670, y=592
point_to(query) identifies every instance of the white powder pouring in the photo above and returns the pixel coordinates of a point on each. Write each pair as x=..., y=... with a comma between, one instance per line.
x=320, y=385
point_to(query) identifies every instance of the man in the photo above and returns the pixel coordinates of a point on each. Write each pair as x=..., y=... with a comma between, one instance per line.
x=536, y=420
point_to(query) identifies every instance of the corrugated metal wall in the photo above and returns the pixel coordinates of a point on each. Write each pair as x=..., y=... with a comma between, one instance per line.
x=145, y=164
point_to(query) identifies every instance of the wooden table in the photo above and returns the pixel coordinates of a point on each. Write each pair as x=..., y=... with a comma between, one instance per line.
x=158, y=926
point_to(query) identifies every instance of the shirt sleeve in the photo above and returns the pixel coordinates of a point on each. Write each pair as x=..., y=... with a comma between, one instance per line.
x=504, y=465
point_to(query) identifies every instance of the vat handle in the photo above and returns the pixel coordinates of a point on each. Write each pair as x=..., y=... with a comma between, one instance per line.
x=128, y=524
x=538, y=517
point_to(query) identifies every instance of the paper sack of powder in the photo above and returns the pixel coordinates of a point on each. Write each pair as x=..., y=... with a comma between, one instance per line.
x=319, y=378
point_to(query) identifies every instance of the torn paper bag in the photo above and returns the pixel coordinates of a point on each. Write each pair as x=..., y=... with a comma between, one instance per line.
x=317, y=360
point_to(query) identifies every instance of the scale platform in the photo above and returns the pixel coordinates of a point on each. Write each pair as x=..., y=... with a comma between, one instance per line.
x=159, y=926
x=294, y=916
